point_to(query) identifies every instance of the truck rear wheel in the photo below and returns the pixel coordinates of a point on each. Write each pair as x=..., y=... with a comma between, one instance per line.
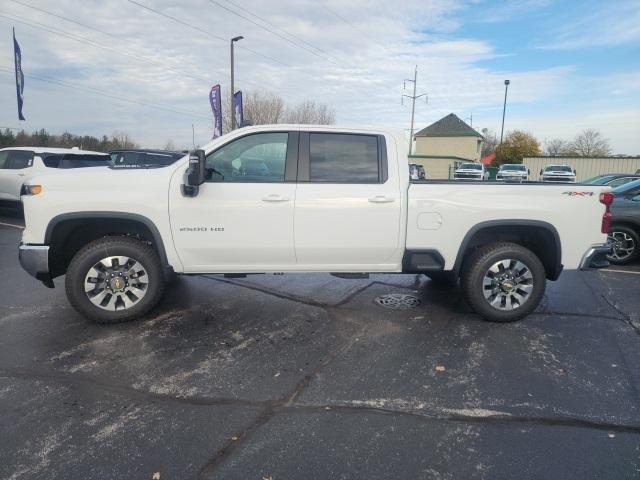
x=114, y=279
x=503, y=282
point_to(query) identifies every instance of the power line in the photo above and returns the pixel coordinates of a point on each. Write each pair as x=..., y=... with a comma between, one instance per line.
x=75, y=22
x=102, y=93
x=276, y=27
x=273, y=32
x=85, y=40
x=201, y=30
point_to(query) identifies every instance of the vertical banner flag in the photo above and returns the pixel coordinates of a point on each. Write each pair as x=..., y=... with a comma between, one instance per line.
x=216, y=107
x=237, y=108
x=17, y=56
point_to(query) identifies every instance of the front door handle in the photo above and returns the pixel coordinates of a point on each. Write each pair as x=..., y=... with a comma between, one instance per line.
x=381, y=199
x=275, y=198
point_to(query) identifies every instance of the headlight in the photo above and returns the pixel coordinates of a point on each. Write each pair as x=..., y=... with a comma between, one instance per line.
x=30, y=189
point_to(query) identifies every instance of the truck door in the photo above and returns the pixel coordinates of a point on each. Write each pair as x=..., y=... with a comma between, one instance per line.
x=15, y=165
x=348, y=203
x=242, y=218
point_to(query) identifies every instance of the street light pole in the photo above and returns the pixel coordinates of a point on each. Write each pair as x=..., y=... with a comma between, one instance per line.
x=233, y=116
x=504, y=107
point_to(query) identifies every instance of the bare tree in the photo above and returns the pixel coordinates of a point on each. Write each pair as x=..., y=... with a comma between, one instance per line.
x=490, y=141
x=261, y=108
x=308, y=112
x=556, y=147
x=122, y=140
x=590, y=143
x=169, y=145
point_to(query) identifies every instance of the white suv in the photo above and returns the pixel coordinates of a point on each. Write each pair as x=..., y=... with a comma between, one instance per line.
x=513, y=172
x=471, y=171
x=18, y=164
x=558, y=173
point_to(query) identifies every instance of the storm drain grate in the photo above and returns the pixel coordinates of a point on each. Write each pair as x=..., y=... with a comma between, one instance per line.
x=398, y=301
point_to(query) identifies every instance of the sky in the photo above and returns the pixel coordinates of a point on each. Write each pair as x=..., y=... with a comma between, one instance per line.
x=145, y=67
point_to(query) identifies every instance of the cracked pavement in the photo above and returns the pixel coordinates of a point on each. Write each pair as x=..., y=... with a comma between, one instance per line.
x=303, y=376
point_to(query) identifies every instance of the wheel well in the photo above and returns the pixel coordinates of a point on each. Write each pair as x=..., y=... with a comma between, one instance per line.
x=67, y=236
x=542, y=240
x=633, y=226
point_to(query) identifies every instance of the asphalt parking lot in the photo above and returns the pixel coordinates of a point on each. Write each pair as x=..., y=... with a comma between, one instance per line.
x=305, y=377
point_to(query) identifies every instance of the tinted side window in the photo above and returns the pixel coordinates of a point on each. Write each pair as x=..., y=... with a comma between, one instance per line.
x=51, y=160
x=3, y=158
x=254, y=158
x=126, y=158
x=343, y=158
x=81, y=161
x=158, y=159
x=18, y=159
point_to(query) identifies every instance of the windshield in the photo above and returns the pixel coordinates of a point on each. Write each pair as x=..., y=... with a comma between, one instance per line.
x=622, y=189
x=599, y=180
x=558, y=168
x=519, y=168
x=471, y=166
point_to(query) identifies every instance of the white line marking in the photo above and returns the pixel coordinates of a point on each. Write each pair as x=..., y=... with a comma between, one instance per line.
x=619, y=271
x=12, y=225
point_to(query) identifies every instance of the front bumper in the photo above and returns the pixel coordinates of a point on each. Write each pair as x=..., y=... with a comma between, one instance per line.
x=595, y=257
x=35, y=261
x=463, y=176
x=559, y=179
x=511, y=178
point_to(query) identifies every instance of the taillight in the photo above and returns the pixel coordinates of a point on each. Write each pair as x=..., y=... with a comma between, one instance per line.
x=606, y=199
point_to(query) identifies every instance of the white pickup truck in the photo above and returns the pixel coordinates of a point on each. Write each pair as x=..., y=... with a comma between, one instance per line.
x=299, y=198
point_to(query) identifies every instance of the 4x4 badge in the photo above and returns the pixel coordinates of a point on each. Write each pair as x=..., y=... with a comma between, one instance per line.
x=578, y=194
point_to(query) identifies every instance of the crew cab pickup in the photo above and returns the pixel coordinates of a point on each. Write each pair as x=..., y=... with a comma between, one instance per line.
x=300, y=198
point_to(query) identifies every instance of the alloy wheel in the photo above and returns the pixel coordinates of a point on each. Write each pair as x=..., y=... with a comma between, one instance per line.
x=507, y=284
x=622, y=245
x=116, y=283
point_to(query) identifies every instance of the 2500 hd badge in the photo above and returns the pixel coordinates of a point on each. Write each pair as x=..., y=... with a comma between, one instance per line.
x=202, y=229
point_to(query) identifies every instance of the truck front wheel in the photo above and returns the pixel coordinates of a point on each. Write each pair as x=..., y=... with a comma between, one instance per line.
x=503, y=282
x=114, y=279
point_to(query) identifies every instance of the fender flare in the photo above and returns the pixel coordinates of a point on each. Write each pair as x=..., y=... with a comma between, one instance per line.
x=553, y=275
x=157, y=238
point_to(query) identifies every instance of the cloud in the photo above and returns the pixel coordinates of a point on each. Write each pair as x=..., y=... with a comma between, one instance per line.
x=363, y=52
x=605, y=24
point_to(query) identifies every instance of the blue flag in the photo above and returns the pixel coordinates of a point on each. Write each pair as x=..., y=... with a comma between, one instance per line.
x=216, y=107
x=17, y=56
x=237, y=108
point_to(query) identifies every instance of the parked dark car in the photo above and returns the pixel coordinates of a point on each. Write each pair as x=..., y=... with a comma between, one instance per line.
x=144, y=158
x=624, y=233
x=612, y=179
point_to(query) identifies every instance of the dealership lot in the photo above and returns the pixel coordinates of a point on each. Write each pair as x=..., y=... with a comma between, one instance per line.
x=305, y=376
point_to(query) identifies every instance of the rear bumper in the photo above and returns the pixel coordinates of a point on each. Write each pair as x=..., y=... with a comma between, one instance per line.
x=595, y=257
x=35, y=261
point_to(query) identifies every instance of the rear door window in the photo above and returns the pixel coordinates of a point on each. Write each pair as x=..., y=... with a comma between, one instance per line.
x=343, y=158
x=84, y=160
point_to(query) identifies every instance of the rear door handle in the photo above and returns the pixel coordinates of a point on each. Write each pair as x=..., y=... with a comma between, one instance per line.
x=381, y=199
x=275, y=198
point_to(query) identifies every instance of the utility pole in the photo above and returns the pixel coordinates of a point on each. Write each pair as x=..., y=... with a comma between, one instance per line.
x=504, y=108
x=413, y=103
x=233, y=116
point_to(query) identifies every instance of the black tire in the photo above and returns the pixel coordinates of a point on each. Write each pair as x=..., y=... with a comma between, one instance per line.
x=626, y=237
x=477, y=265
x=91, y=254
